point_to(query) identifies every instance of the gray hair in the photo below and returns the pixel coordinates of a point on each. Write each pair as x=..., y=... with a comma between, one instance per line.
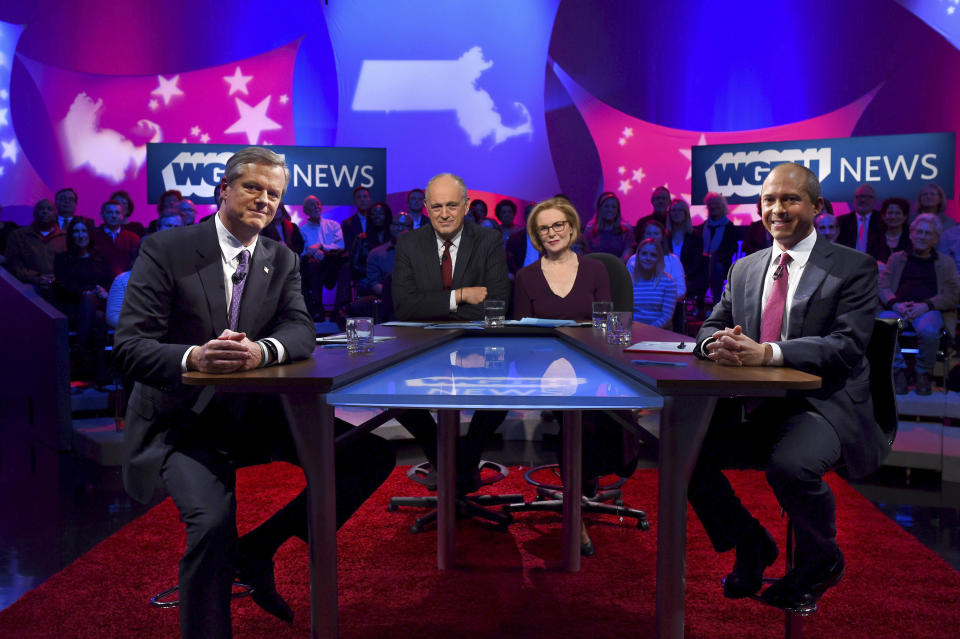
x=930, y=219
x=456, y=178
x=255, y=155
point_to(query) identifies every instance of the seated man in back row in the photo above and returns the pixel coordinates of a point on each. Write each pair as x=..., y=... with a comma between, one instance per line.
x=444, y=272
x=817, y=300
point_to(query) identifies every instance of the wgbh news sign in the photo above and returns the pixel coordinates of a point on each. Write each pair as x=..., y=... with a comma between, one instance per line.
x=895, y=165
x=330, y=173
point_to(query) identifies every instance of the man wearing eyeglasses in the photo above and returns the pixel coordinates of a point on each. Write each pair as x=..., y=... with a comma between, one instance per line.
x=444, y=272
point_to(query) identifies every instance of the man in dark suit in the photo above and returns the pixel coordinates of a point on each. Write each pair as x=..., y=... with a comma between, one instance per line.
x=444, y=272
x=216, y=297
x=357, y=223
x=818, y=307
x=864, y=228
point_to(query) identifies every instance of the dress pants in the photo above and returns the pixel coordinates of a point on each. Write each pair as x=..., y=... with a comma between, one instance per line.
x=200, y=475
x=796, y=446
x=422, y=426
x=928, y=328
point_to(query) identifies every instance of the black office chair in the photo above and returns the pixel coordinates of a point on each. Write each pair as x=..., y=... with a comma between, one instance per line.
x=608, y=498
x=880, y=353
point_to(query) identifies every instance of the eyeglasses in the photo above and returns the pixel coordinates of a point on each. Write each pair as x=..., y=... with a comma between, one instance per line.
x=556, y=227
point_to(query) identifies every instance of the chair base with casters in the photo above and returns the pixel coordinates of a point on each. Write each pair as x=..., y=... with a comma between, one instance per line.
x=467, y=505
x=608, y=499
x=160, y=600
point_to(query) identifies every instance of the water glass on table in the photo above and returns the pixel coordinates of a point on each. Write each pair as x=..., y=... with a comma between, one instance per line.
x=359, y=334
x=600, y=310
x=619, y=327
x=494, y=312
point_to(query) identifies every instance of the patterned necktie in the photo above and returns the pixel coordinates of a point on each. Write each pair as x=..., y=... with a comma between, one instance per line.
x=239, y=279
x=771, y=319
x=446, y=266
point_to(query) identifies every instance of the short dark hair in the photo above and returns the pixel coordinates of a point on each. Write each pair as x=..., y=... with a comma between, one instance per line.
x=126, y=196
x=360, y=188
x=255, y=155
x=506, y=202
x=64, y=189
x=110, y=202
x=164, y=196
x=899, y=201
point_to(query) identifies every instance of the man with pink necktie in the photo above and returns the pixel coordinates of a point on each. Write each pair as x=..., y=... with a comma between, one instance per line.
x=863, y=228
x=808, y=304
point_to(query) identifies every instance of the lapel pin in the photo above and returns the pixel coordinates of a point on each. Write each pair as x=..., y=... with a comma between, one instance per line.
x=266, y=269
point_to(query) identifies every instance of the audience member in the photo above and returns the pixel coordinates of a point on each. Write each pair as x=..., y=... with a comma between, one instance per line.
x=660, y=199
x=826, y=225
x=126, y=203
x=688, y=245
x=921, y=287
x=863, y=229
x=166, y=201
x=672, y=266
x=282, y=229
x=323, y=254
x=379, y=219
x=654, y=291
x=416, y=210
x=720, y=242
x=187, y=210
x=66, y=202
x=796, y=439
x=756, y=238
x=6, y=228
x=894, y=212
x=357, y=223
x=608, y=234
x=478, y=211
x=563, y=285
x=192, y=441
x=932, y=199
x=31, y=249
x=506, y=212
x=117, y=246
x=82, y=277
x=443, y=272
x=380, y=262
x=520, y=249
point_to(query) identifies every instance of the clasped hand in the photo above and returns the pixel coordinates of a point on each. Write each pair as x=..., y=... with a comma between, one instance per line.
x=732, y=348
x=911, y=310
x=228, y=353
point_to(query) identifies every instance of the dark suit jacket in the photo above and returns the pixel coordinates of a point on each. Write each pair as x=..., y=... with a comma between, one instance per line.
x=694, y=264
x=847, y=234
x=352, y=227
x=831, y=321
x=418, y=292
x=516, y=248
x=728, y=243
x=175, y=299
x=756, y=238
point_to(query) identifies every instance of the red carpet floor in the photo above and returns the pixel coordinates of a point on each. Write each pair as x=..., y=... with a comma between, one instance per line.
x=506, y=584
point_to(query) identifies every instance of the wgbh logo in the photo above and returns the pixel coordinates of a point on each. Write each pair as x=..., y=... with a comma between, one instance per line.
x=195, y=174
x=742, y=173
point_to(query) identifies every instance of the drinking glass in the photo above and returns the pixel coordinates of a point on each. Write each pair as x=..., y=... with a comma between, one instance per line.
x=619, y=327
x=493, y=313
x=600, y=310
x=359, y=334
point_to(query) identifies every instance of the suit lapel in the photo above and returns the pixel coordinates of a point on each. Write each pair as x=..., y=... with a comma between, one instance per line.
x=754, y=280
x=209, y=267
x=427, y=248
x=468, y=244
x=821, y=259
x=259, y=276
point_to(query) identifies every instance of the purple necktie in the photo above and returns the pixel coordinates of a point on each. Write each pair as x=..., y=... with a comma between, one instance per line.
x=239, y=279
x=772, y=317
x=446, y=266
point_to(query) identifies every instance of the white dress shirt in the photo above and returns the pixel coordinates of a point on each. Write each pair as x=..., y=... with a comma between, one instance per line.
x=455, y=243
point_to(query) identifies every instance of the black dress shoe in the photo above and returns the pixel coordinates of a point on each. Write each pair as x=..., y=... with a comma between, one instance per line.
x=757, y=551
x=803, y=586
x=258, y=573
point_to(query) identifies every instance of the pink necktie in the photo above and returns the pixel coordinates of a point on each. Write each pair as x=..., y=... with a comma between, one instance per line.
x=446, y=266
x=772, y=317
x=862, y=233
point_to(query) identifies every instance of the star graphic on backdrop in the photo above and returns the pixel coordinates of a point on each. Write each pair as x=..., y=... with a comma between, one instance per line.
x=622, y=141
x=195, y=131
x=167, y=88
x=625, y=186
x=638, y=176
x=3, y=117
x=284, y=99
x=238, y=82
x=183, y=140
x=622, y=170
x=9, y=151
x=627, y=132
x=687, y=153
x=950, y=10
x=204, y=138
x=153, y=104
x=4, y=94
x=253, y=120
